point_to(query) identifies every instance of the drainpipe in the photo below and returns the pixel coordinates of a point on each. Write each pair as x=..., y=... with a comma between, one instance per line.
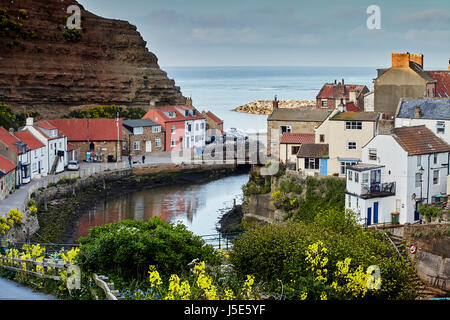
x=428, y=182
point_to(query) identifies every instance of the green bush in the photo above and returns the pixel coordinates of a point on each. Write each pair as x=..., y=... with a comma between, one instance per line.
x=275, y=254
x=430, y=211
x=72, y=35
x=127, y=248
x=108, y=112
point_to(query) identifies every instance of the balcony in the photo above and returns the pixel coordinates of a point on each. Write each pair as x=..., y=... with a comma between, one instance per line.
x=375, y=190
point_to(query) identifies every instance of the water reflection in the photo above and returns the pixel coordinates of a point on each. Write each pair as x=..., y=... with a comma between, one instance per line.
x=196, y=206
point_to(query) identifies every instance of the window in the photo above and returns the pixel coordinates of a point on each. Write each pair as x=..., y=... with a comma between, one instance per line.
x=351, y=145
x=35, y=153
x=42, y=151
x=196, y=127
x=194, y=113
x=349, y=201
x=419, y=160
x=285, y=129
x=136, y=145
x=312, y=163
x=156, y=129
x=435, y=176
x=202, y=125
x=189, y=127
x=172, y=130
x=440, y=127
x=353, y=125
x=372, y=154
x=324, y=103
x=350, y=175
x=138, y=130
x=186, y=113
x=322, y=138
x=418, y=180
x=172, y=142
x=344, y=165
x=356, y=176
x=435, y=156
x=365, y=177
x=158, y=142
x=294, y=150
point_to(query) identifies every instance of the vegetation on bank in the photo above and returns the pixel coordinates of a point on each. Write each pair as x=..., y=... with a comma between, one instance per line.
x=110, y=112
x=9, y=119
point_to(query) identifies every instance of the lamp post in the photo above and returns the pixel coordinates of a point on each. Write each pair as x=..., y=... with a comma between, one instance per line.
x=421, y=171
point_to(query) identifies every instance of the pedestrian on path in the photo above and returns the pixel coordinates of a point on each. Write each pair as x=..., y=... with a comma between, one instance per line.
x=129, y=160
x=143, y=159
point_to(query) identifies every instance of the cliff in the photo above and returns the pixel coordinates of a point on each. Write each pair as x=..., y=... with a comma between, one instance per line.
x=51, y=69
x=266, y=106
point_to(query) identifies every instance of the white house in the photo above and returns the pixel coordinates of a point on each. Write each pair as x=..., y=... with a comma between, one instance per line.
x=56, y=157
x=32, y=161
x=432, y=112
x=397, y=172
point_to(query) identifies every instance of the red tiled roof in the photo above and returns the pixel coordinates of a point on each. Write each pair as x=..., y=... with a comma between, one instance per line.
x=46, y=125
x=337, y=91
x=297, y=138
x=178, y=115
x=70, y=147
x=419, y=140
x=98, y=129
x=27, y=138
x=214, y=117
x=352, y=107
x=442, y=82
x=6, y=166
x=9, y=140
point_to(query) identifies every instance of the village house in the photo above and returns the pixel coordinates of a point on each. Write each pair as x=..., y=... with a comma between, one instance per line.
x=397, y=173
x=184, y=126
x=312, y=159
x=55, y=142
x=434, y=113
x=25, y=151
x=407, y=79
x=345, y=133
x=289, y=146
x=7, y=177
x=283, y=120
x=333, y=94
x=142, y=136
x=98, y=140
x=214, y=126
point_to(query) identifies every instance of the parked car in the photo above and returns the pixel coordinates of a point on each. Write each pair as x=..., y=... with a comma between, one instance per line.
x=73, y=165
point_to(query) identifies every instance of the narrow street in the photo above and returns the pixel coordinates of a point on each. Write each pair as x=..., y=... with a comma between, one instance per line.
x=10, y=290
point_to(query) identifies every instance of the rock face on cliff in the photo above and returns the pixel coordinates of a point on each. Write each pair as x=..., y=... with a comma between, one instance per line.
x=266, y=106
x=46, y=67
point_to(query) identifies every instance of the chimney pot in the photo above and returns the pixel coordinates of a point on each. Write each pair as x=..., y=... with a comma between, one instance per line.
x=275, y=103
x=29, y=121
x=417, y=113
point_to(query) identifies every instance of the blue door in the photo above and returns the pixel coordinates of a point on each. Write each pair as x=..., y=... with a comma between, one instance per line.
x=323, y=167
x=375, y=212
x=369, y=216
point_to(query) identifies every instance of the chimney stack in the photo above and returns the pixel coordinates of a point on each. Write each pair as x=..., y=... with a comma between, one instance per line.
x=275, y=103
x=29, y=122
x=335, y=81
x=448, y=65
x=417, y=113
x=343, y=81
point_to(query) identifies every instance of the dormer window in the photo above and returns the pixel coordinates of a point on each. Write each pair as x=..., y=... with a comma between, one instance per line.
x=194, y=113
x=186, y=113
x=54, y=133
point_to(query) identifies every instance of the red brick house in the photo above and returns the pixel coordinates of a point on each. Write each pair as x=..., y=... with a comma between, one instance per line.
x=185, y=126
x=95, y=139
x=214, y=125
x=7, y=177
x=331, y=95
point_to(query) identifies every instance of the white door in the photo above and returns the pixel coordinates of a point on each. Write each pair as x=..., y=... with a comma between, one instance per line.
x=148, y=146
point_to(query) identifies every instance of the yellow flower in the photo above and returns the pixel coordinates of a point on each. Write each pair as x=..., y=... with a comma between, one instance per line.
x=323, y=296
x=155, y=279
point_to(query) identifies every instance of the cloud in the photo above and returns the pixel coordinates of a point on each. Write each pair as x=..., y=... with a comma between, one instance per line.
x=427, y=17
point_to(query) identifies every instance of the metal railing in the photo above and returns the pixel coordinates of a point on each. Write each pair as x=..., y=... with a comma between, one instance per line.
x=222, y=241
x=375, y=188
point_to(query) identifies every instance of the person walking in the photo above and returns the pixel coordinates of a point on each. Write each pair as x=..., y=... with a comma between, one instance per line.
x=143, y=158
x=129, y=160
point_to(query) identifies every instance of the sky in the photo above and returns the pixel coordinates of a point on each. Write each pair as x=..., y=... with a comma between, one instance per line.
x=285, y=32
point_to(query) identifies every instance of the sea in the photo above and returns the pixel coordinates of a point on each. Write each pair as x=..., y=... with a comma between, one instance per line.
x=221, y=89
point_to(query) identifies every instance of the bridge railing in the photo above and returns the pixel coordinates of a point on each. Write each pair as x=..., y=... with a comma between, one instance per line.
x=222, y=241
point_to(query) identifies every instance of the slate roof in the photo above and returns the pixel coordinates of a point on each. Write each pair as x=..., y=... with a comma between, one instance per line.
x=313, y=150
x=290, y=138
x=419, y=140
x=136, y=123
x=285, y=114
x=436, y=109
x=356, y=116
x=364, y=167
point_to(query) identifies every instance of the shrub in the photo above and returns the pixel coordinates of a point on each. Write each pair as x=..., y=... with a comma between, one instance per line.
x=276, y=254
x=127, y=248
x=23, y=14
x=430, y=211
x=72, y=35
